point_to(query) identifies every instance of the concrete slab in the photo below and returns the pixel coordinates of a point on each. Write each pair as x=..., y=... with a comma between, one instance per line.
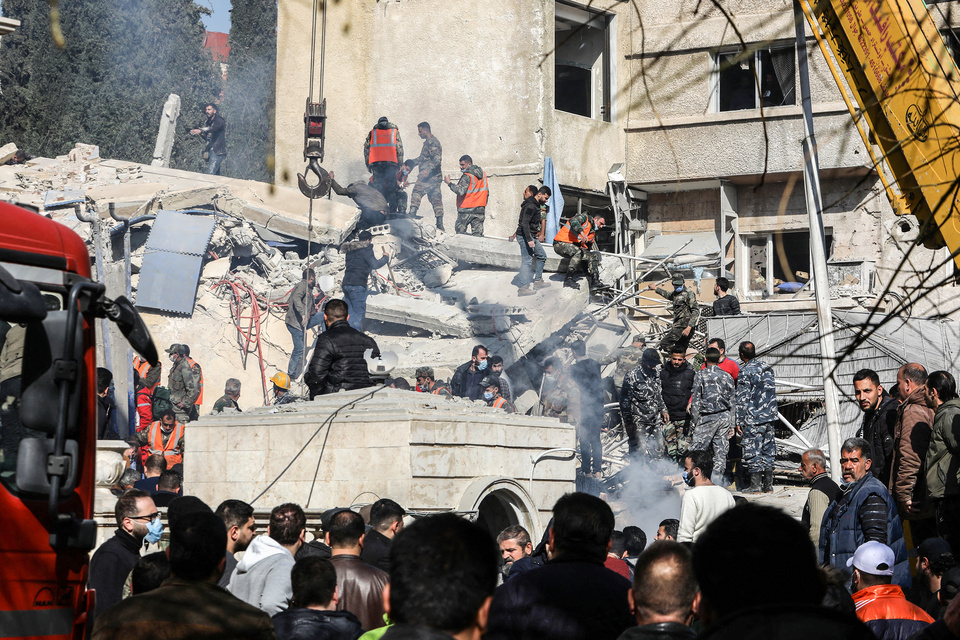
x=7, y=151
x=436, y=317
x=493, y=252
x=129, y=197
x=181, y=199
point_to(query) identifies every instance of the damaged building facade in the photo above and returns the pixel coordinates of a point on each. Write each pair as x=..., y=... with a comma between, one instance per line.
x=666, y=92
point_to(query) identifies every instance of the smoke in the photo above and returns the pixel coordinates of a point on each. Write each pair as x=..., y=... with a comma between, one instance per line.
x=645, y=497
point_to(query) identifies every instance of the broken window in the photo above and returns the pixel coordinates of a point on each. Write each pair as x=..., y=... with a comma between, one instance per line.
x=583, y=67
x=778, y=262
x=735, y=79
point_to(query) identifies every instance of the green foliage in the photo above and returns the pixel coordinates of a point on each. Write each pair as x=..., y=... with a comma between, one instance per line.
x=108, y=85
x=249, y=100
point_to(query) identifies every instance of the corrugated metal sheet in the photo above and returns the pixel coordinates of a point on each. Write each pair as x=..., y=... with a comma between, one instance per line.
x=172, y=260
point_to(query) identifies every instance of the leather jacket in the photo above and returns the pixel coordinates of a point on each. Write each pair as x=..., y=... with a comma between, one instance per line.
x=361, y=589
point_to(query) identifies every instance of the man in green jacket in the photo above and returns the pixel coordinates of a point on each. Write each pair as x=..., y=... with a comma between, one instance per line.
x=942, y=461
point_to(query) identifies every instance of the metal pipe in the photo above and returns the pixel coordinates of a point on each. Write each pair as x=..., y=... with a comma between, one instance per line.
x=640, y=279
x=811, y=183
x=627, y=257
x=794, y=430
x=540, y=457
x=126, y=416
x=796, y=385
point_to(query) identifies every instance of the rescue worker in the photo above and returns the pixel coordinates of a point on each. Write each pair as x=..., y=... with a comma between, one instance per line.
x=428, y=180
x=627, y=358
x=164, y=437
x=299, y=318
x=490, y=392
x=711, y=407
x=198, y=376
x=182, y=383
x=147, y=379
x=231, y=393
x=642, y=408
x=575, y=241
x=426, y=383
x=686, y=314
x=402, y=184
x=472, y=194
x=559, y=395
x=383, y=155
x=756, y=417
x=372, y=204
x=281, y=389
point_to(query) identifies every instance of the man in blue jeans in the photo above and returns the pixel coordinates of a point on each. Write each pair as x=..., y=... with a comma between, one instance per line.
x=300, y=318
x=532, y=255
x=215, y=133
x=359, y=263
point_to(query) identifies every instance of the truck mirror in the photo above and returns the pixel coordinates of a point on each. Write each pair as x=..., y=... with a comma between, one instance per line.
x=133, y=328
x=20, y=301
x=33, y=458
x=43, y=365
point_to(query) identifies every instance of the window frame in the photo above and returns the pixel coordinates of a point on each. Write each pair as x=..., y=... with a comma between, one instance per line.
x=714, y=73
x=605, y=111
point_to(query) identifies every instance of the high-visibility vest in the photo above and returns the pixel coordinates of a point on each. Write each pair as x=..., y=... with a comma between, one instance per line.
x=199, y=382
x=499, y=402
x=383, y=146
x=170, y=451
x=566, y=235
x=142, y=367
x=477, y=193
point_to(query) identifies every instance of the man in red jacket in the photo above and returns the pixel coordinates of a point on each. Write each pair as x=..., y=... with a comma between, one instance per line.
x=880, y=604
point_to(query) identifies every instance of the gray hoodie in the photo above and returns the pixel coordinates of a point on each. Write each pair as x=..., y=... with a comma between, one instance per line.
x=262, y=577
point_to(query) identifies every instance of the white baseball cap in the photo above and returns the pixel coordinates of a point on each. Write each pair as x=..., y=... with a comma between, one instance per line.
x=874, y=558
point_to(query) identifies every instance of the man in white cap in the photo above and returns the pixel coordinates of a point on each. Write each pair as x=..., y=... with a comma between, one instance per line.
x=880, y=604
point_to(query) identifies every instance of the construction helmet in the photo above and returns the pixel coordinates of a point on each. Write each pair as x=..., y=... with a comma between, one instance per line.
x=282, y=380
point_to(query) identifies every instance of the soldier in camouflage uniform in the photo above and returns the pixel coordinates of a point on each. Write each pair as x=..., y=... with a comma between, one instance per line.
x=627, y=358
x=559, y=395
x=686, y=314
x=471, y=204
x=428, y=180
x=642, y=408
x=182, y=384
x=712, y=406
x=756, y=417
x=575, y=241
x=427, y=383
x=231, y=393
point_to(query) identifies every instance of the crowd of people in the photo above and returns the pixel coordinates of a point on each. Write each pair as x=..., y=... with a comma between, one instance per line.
x=379, y=572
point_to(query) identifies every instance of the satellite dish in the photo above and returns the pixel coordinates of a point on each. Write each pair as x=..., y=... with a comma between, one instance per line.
x=382, y=366
x=326, y=283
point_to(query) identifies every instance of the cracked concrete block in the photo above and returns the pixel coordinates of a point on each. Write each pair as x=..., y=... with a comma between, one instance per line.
x=129, y=198
x=189, y=198
x=7, y=151
x=491, y=252
x=436, y=317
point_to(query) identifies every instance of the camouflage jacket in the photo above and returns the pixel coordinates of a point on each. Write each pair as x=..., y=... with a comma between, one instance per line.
x=713, y=393
x=366, y=145
x=182, y=382
x=562, y=400
x=683, y=306
x=460, y=186
x=225, y=402
x=756, y=394
x=627, y=358
x=641, y=398
x=429, y=159
x=286, y=398
x=439, y=389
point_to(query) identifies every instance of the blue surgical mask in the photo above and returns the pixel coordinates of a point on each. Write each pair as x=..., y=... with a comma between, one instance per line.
x=488, y=395
x=678, y=289
x=689, y=479
x=154, y=530
x=482, y=365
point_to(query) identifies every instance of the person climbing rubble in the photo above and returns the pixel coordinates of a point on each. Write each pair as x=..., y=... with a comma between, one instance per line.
x=359, y=263
x=300, y=318
x=686, y=314
x=575, y=241
x=373, y=206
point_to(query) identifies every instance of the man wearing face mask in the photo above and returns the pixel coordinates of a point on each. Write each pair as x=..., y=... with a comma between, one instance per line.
x=705, y=501
x=164, y=437
x=137, y=520
x=686, y=314
x=467, y=377
x=182, y=382
x=490, y=388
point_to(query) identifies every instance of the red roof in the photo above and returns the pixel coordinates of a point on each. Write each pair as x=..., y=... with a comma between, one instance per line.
x=217, y=43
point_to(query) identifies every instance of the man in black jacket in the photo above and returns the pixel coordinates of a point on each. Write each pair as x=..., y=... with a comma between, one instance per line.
x=359, y=263
x=215, y=133
x=115, y=559
x=313, y=614
x=879, y=419
x=676, y=380
x=467, y=377
x=338, y=362
x=663, y=592
x=528, y=229
x=106, y=409
x=586, y=373
x=386, y=521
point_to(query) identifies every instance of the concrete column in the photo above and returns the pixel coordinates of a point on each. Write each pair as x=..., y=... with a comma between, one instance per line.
x=168, y=129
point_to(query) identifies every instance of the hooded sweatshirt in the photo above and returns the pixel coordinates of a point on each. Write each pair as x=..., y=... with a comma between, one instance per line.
x=262, y=577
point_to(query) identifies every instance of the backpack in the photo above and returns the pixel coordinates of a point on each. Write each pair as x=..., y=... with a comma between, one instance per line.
x=161, y=401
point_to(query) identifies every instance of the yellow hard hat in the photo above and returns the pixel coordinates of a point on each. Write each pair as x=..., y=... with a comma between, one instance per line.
x=281, y=380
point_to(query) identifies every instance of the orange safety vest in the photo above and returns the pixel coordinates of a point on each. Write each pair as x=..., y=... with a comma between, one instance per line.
x=199, y=382
x=142, y=367
x=566, y=235
x=383, y=146
x=499, y=402
x=477, y=193
x=171, y=451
